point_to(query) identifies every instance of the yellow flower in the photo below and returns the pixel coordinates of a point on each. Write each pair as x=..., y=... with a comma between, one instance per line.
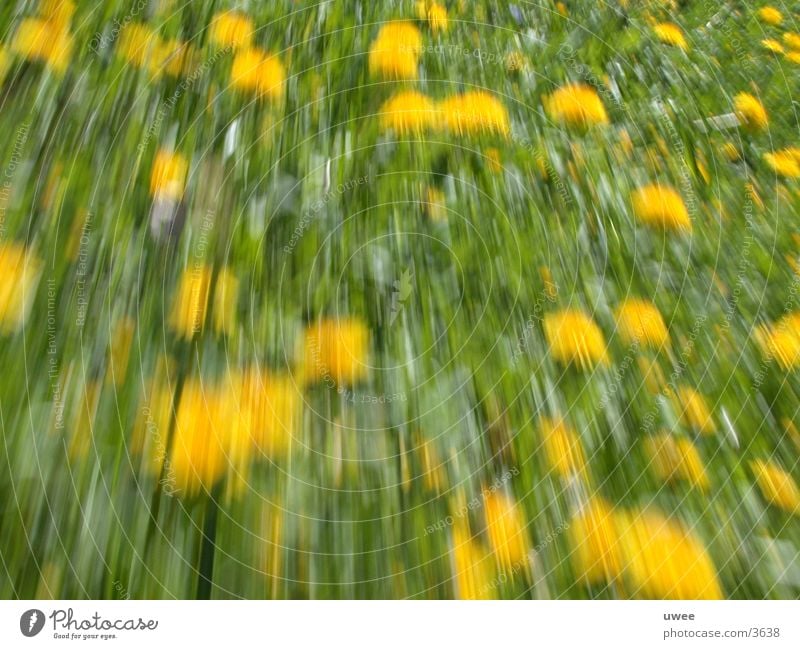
x=770, y=15
x=20, y=270
x=231, y=29
x=434, y=204
x=259, y=73
x=394, y=54
x=781, y=341
x=506, y=529
x=58, y=12
x=675, y=459
x=168, y=176
x=772, y=45
x=792, y=39
x=271, y=405
x=5, y=63
x=409, y=112
x=784, y=163
x=639, y=322
x=494, y=160
x=197, y=460
x=137, y=44
x=576, y=104
x=562, y=447
x=191, y=300
x=751, y=111
x=670, y=34
x=777, y=486
x=475, y=112
x=693, y=410
x=42, y=40
x=596, y=548
x=472, y=565
x=336, y=351
x=575, y=338
x=793, y=57
x=172, y=57
x=434, y=13
x=660, y=206
x=664, y=561
x=226, y=299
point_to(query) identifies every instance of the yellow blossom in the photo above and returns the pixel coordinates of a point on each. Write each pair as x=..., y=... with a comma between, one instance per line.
x=257, y=72
x=409, y=113
x=639, y=322
x=770, y=15
x=336, y=351
x=472, y=566
x=751, y=111
x=42, y=40
x=394, y=54
x=596, y=549
x=784, y=163
x=137, y=44
x=662, y=560
x=693, y=410
x=772, y=45
x=792, y=40
x=20, y=270
x=562, y=448
x=660, y=206
x=168, y=175
x=505, y=527
x=475, y=112
x=670, y=34
x=576, y=104
x=675, y=459
x=226, y=297
x=777, y=486
x=231, y=29
x=574, y=337
x=190, y=302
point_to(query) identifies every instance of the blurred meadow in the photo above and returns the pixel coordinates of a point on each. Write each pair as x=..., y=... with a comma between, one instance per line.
x=402, y=299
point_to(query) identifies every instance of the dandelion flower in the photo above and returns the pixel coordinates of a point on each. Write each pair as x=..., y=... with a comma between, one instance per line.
x=660, y=206
x=226, y=298
x=784, y=163
x=19, y=276
x=41, y=40
x=395, y=52
x=772, y=45
x=191, y=301
x=435, y=14
x=506, y=530
x=409, y=113
x=231, y=29
x=472, y=565
x=137, y=44
x=770, y=16
x=168, y=176
x=576, y=104
x=639, y=322
x=57, y=12
x=271, y=403
x=793, y=57
x=731, y=152
x=675, y=459
x=257, y=72
x=562, y=448
x=777, y=486
x=792, y=40
x=781, y=342
x=336, y=351
x=693, y=410
x=596, y=549
x=670, y=34
x=474, y=113
x=574, y=337
x=664, y=561
x=198, y=458
x=172, y=57
x=751, y=111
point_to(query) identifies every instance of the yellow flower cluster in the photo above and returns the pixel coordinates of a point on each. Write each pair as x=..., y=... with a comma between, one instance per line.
x=785, y=162
x=777, y=486
x=751, y=111
x=661, y=207
x=653, y=556
x=336, y=351
x=469, y=113
x=781, y=341
x=47, y=38
x=639, y=322
x=231, y=29
x=141, y=47
x=674, y=459
x=670, y=34
x=435, y=14
x=576, y=104
x=505, y=527
x=190, y=304
x=260, y=73
x=168, y=175
x=562, y=448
